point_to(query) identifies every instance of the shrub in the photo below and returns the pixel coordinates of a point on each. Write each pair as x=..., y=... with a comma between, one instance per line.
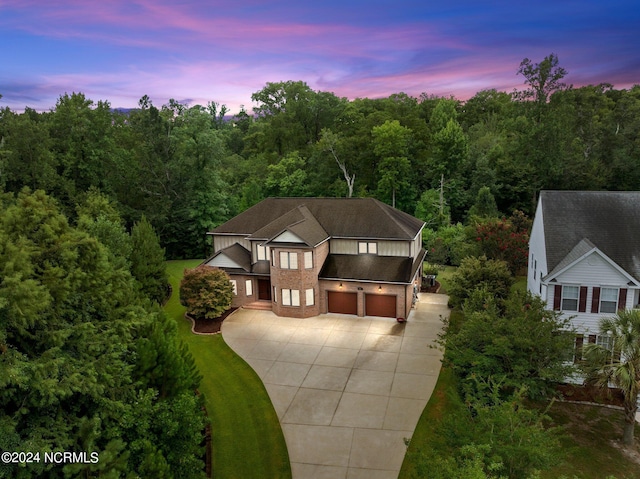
x=476, y=274
x=206, y=292
x=523, y=346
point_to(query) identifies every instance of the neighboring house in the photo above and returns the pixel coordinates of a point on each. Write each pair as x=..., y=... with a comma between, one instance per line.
x=308, y=256
x=584, y=257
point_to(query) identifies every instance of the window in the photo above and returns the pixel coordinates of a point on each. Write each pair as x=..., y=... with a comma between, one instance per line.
x=365, y=247
x=605, y=341
x=234, y=283
x=308, y=259
x=608, y=300
x=290, y=297
x=310, y=298
x=570, y=298
x=262, y=252
x=248, y=286
x=288, y=260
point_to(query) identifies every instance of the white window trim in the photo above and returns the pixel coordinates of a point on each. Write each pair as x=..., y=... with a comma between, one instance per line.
x=248, y=286
x=576, y=299
x=261, y=252
x=605, y=341
x=615, y=303
x=234, y=283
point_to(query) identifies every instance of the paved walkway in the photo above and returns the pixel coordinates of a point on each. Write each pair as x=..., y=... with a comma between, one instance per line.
x=347, y=390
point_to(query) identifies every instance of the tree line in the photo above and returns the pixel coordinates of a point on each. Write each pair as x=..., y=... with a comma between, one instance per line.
x=190, y=168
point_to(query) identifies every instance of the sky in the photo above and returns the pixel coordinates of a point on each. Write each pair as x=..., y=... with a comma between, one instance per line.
x=197, y=51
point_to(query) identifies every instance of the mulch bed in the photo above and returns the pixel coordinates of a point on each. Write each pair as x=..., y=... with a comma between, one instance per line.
x=430, y=289
x=210, y=326
x=574, y=392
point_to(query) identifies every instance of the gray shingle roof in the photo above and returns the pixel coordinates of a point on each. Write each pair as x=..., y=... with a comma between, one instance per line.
x=610, y=220
x=300, y=222
x=338, y=217
x=238, y=254
x=386, y=269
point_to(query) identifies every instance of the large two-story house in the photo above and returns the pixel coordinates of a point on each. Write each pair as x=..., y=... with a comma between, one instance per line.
x=584, y=257
x=308, y=256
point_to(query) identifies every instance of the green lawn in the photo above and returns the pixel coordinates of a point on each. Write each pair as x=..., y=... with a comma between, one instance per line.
x=247, y=440
x=593, y=443
x=443, y=402
x=444, y=276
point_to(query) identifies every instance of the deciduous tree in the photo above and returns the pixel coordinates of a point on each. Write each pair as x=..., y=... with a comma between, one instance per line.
x=206, y=292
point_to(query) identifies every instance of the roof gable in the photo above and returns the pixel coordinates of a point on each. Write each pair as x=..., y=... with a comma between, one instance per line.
x=610, y=220
x=234, y=256
x=299, y=223
x=287, y=237
x=586, y=251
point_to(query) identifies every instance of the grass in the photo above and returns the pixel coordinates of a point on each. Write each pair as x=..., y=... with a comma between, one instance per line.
x=444, y=275
x=247, y=440
x=520, y=284
x=443, y=402
x=593, y=443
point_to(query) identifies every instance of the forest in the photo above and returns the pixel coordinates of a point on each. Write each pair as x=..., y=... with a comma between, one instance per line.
x=94, y=199
x=189, y=168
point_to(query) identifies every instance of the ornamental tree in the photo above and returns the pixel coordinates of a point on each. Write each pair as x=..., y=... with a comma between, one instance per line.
x=206, y=292
x=505, y=239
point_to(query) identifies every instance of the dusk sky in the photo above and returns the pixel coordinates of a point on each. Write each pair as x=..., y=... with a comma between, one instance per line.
x=223, y=51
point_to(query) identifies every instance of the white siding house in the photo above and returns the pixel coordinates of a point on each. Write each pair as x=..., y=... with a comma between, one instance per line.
x=584, y=256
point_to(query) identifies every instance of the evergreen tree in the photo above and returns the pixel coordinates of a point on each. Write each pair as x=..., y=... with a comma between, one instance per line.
x=147, y=261
x=72, y=340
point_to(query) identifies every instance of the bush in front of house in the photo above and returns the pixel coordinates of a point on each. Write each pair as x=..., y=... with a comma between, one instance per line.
x=480, y=273
x=206, y=292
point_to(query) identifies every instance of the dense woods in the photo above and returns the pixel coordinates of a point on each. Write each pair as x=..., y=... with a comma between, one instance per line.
x=88, y=363
x=188, y=168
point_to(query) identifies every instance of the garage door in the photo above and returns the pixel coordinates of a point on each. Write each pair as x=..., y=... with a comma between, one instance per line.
x=380, y=305
x=345, y=303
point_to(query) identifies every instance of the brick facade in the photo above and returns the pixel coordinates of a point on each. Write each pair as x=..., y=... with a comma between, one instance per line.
x=300, y=279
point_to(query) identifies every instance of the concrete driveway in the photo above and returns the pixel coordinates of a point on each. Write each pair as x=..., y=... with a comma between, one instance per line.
x=347, y=390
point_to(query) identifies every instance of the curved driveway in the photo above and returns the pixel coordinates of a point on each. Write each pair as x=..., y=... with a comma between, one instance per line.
x=347, y=390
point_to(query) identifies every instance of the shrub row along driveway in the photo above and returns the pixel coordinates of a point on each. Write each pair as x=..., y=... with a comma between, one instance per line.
x=347, y=390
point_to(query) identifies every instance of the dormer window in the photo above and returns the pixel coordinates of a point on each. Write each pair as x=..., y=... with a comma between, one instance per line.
x=261, y=252
x=367, y=247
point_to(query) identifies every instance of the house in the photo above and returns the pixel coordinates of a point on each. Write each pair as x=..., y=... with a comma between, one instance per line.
x=584, y=256
x=308, y=256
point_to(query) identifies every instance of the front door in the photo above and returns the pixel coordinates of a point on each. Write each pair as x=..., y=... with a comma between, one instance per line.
x=264, y=289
